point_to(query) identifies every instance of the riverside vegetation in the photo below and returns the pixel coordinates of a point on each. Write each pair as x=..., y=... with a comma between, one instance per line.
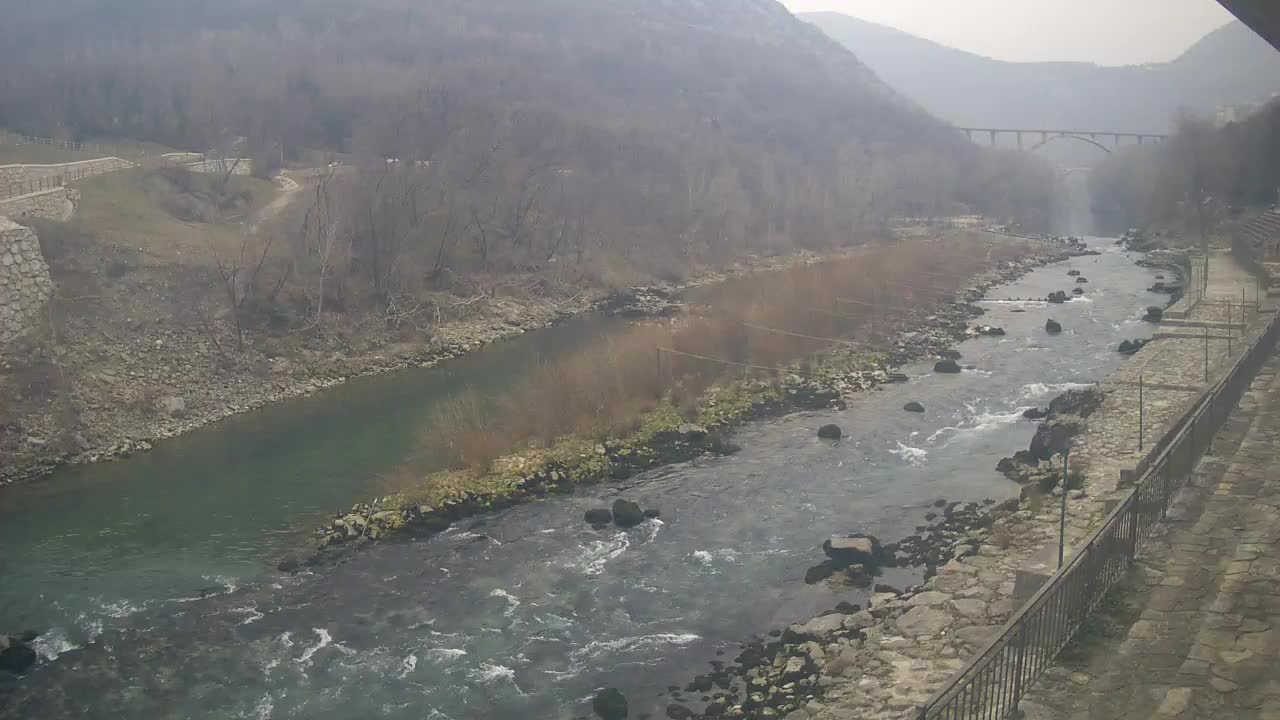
x=428, y=207
x=624, y=412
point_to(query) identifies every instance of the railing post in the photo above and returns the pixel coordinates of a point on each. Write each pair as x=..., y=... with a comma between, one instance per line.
x=1134, y=514
x=1019, y=668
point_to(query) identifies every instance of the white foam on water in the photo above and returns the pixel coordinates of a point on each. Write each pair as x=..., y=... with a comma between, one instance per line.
x=231, y=584
x=286, y=639
x=911, y=455
x=978, y=423
x=262, y=711
x=1040, y=391
x=118, y=609
x=651, y=528
x=633, y=644
x=409, y=663
x=325, y=639
x=489, y=673
x=513, y=602
x=446, y=654
x=251, y=613
x=708, y=557
x=92, y=627
x=52, y=644
x=596, y=555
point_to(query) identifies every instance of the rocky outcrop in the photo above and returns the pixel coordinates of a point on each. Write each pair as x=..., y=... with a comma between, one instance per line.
x=610, y=704
x=16, y=656
x=25, y=286
x=948, y=367
x=627, y=513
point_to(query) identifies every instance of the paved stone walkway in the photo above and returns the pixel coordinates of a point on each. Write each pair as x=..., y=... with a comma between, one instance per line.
x=1206, y=639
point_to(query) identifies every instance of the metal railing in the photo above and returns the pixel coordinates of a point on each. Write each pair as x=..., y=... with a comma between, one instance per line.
x=60, y=176
x=990, y=685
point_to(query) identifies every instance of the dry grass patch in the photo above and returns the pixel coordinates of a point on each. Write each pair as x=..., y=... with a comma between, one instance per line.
x=743, y=328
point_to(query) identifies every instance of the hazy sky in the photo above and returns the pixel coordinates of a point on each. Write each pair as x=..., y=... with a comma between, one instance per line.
x=1108, y=32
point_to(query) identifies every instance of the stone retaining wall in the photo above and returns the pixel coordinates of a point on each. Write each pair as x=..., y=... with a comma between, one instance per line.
x=55, y=204
x=27, y=178
x=25, y=286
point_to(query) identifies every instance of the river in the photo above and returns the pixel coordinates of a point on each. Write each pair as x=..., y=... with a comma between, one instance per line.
x=522, y=614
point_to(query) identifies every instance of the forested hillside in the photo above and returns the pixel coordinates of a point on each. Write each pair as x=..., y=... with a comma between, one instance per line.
x=526, y=129
x=1230, y=170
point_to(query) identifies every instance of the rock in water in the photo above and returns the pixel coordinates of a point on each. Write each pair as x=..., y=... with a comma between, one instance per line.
x=1154, y=314
x=1073, y=273
x=946, y=366
x=862, y=550
x=610, y=704
x=626, y=513
x=679, y=712
x=1077, y=291
x=914, y=407
x=819, y=572
x=1058, y=297
x=830, y=432
x=289, y=564
x=990, y=331
x=16, y=656
x=1082, y=280
x=1035, y=414
x=598, y=516
x=653, y=513
x=1053, y=327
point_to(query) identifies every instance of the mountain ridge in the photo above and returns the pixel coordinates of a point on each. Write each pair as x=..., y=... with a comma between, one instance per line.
x=1229, y=65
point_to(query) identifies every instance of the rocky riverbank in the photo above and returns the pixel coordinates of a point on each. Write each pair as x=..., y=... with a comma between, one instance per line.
x=881, y=662
x=111, y=389
x=667, y=436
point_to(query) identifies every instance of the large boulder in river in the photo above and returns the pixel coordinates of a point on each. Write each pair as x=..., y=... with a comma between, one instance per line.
x=16, y=656
x=861, y=550
x=1058, y=297
x=626, y=513
x=830, y=432
x=1052, y=439
x=598, y=516
x=610, y=704
x=1077, y=401
x=913, y=407
x=946, y=366
x=1154, y=314
x=1053, y=327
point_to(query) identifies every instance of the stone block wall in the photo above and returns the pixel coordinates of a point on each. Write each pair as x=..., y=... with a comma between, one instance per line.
x=26, y=178
x=55, y=204
x=25, y=286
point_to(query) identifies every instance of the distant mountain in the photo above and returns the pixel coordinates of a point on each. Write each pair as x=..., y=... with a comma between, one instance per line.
x=1228, y=66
